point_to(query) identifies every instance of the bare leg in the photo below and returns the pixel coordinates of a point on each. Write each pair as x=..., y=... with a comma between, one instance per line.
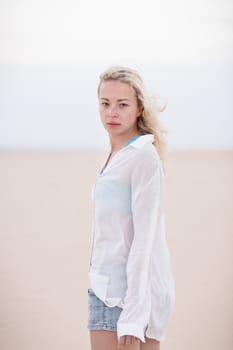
x=150, y=344
x=107, y=340
x=103, y=340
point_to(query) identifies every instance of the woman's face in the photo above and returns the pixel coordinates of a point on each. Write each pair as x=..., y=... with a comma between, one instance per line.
x=118, y=108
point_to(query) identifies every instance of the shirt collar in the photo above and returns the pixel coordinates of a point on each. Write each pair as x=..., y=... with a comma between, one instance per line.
x=142, y=140
x=139, y=142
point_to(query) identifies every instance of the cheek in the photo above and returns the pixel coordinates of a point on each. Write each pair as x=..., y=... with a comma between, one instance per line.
x=133, y=116
x=101, y=113
x=103, y=118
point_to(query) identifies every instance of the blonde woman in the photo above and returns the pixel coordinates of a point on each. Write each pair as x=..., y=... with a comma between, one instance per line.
x=131, y=294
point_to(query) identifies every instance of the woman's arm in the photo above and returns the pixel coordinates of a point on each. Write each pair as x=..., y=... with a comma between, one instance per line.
x=146, y=201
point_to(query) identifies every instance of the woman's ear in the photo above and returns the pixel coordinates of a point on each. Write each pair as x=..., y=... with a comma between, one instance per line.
x=140, y=110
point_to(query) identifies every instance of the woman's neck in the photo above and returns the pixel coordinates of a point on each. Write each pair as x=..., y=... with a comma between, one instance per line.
x=118, y=142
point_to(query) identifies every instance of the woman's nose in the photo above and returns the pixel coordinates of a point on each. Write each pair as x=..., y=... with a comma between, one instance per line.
x=112, y=111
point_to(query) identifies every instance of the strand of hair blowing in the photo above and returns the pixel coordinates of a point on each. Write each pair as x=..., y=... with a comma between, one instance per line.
x=148, y=121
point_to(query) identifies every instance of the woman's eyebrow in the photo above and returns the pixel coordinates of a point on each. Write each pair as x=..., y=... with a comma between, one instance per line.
x=119, y=100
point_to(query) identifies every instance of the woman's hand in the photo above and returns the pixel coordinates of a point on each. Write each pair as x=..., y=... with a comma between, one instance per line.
x=128, y=342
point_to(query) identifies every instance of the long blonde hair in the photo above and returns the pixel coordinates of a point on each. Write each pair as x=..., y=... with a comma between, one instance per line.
x=148, y=122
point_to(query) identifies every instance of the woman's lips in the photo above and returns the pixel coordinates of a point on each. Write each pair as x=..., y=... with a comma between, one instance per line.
x=113, y=124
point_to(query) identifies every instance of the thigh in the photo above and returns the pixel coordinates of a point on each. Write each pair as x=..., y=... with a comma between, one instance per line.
x=107, y=340
x=150, y=344
x=103, y=340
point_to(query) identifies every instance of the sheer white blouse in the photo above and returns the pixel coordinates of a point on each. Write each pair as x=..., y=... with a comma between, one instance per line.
x=129, y=257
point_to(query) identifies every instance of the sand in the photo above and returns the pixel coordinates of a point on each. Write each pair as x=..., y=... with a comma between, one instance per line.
x=45, y=224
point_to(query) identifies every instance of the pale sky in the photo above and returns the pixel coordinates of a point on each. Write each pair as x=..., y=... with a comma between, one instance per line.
x=71, y=31
x=52, y=52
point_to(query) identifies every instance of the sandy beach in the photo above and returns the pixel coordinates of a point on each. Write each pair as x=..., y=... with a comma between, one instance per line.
x=45, y=224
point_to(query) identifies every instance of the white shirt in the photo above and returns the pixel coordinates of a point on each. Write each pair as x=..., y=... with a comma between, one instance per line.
x=129, y=257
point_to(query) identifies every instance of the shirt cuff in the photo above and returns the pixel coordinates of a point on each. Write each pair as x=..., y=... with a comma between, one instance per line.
x=130, y=329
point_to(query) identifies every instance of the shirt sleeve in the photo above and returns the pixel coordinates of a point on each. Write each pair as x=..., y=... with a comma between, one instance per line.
x=146, y=205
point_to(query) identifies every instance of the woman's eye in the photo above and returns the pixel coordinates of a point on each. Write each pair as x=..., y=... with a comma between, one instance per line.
x=105, y=104
x=123, y=104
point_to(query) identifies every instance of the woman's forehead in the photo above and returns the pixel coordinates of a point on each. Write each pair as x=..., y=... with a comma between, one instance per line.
x=114, y=88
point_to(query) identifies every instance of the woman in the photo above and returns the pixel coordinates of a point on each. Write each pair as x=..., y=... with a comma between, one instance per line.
x=131, y=292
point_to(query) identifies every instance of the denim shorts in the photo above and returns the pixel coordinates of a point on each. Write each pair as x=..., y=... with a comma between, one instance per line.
x=101, y=316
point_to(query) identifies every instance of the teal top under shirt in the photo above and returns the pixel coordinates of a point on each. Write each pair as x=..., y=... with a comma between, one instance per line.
x=132, y=139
